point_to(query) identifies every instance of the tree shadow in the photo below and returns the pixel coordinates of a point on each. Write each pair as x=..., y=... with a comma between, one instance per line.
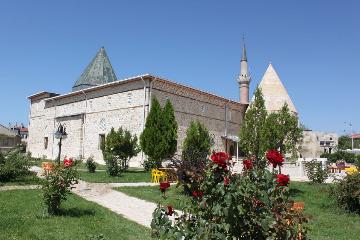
x=75, y=212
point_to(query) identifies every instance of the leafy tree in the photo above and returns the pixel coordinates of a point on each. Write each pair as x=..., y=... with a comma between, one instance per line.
x=196, y=148
x=252, y=131
x=170, y=129
x=344, y=142
x=120, y=147
x=158, y=140
x=282, y=131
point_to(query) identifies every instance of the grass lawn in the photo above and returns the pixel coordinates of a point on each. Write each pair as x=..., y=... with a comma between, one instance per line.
x=327, y=221
x=23, y=216
x=30, y=179
x=128, y=176
x=153, y=194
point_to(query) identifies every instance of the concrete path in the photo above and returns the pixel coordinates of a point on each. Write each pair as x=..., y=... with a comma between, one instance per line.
x=137, y=210
x=132, y=208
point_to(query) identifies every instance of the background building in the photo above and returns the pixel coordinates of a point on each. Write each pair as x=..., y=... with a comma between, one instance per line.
x=8, y=139
x=316, y=143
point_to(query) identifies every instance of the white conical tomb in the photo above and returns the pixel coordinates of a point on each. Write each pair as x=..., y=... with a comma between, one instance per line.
x=274, y=92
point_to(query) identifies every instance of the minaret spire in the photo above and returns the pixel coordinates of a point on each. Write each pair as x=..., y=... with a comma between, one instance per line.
x=244, y=77
x=243, y=56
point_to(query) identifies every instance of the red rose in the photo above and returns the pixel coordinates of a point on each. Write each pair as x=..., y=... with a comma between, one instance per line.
x=170, y=210
x=68, y=162
x=197, y=194
x=247, y=164
x=164, y=186
x=220, y=158
x=282, y=179
x=226, y=181
x=275, y=158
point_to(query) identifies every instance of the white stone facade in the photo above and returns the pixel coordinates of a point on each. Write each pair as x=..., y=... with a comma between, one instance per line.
x=87, y=114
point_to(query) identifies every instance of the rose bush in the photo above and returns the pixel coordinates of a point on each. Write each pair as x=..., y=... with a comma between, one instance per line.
x=58, y=184
x=221, y=159
x=247, y=164
x=254, y=204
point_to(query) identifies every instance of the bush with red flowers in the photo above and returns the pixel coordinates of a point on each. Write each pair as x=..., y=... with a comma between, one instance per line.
x=68, y=162
x=247, y=164
x=221, y=159
x=57, y=185
x=275, y=158
x=254, y=204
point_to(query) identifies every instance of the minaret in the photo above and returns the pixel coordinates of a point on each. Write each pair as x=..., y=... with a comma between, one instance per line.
x=244, y=78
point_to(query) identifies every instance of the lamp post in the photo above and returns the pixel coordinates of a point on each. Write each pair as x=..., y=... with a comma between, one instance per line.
x=60, y=134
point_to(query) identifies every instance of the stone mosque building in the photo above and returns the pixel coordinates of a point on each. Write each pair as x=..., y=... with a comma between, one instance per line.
x=99, y=101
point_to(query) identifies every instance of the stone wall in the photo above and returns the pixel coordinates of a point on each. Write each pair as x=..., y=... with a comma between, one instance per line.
x=191, y=105
x=85, y=118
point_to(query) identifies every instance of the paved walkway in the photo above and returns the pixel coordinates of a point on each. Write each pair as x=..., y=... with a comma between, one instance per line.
x=132, y=208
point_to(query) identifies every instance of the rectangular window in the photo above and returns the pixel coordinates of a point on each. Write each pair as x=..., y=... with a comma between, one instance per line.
x=46, y=142
x=5, y=142
x=101, y=141
x=321, y=143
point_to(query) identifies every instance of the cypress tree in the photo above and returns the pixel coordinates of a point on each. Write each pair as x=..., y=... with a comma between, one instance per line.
x=252, y=130
x=159, y=138
x=170, y=127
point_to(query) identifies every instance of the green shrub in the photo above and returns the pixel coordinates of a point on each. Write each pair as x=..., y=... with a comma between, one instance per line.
x=150, y=164
x=112, y=165
x=120, y=147
x=357, y=162
x=340, y=155
x=196, y=148
x=347, y=192
x=13, y=165
x=91, y=164
x=316, y=172
x=58, y=184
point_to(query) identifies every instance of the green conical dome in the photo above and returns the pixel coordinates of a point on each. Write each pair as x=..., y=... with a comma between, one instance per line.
x=98, y=72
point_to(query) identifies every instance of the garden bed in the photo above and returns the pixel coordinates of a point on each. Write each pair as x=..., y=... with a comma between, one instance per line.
x=23, y=216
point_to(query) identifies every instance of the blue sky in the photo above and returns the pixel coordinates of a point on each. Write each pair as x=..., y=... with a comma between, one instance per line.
x=313, y=45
